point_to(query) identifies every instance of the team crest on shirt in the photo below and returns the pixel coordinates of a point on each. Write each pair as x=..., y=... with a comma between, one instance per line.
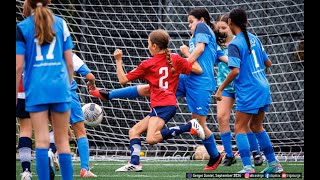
x=191, y=46
x=252, y=42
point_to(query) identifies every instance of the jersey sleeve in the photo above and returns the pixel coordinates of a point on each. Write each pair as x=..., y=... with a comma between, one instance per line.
x=138, y=72
x=20, y=42
x=79, y=66
x=264, y=54
x=182, y=65
x=67, y=40
x=233, y=56
x=202, y=33
x=219, y=54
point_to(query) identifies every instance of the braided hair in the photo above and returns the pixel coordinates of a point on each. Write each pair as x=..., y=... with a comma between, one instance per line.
x=239, y=17
x=161, y=38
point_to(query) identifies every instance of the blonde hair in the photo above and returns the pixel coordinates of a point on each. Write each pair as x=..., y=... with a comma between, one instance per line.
x=43, y=20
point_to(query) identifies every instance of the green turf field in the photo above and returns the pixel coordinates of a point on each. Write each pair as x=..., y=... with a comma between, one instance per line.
x=156, y=170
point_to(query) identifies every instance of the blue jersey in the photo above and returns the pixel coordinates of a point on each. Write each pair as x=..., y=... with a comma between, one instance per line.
x=79, y=67
x=223, y=71
x=204, y=34
x=46, y=78
x=251, y=85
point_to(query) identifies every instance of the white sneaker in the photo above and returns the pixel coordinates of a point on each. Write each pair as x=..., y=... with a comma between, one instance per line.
x=197, y=129
x=130, y=168
x=26, y=175
x=86, y=174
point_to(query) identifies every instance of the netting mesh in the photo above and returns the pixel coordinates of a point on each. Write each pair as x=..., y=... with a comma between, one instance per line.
x=98, y=27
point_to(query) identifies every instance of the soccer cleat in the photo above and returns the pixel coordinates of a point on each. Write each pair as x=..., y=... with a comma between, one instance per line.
x=247, y=169
x=197, y=129
x=86, y=173
x=228, y=161
x=26, y=175
x=130, y=168
x=51, y=164
x=100, y=93
x=273, y=167
x=213, y=163
x=257, y=159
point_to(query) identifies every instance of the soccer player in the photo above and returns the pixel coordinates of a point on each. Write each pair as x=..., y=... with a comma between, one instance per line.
x=224, y=106
x=247, y=59
x=44, y=53
x=25, y=134
x=162, y=73
x=77, y=118
x=196, y=88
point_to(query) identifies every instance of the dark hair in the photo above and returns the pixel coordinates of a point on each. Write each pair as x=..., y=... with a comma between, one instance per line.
x=43, y=20
x=200, y=12
x=221, y=37
x=239, y=17
x=161, y=38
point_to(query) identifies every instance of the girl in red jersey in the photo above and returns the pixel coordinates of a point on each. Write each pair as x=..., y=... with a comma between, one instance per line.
x=162, y=73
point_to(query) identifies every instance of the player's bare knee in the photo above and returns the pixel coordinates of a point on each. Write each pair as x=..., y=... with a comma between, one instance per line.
x=152, y=140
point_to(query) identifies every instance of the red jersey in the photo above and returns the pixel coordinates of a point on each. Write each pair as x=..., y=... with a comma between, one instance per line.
x=21, y=94
x=163, y=84
x=20, y=88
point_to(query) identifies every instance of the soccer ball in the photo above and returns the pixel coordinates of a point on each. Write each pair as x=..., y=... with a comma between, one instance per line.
x=93, y=114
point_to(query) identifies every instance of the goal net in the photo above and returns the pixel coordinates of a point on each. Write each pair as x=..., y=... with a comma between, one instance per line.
x=98, y=27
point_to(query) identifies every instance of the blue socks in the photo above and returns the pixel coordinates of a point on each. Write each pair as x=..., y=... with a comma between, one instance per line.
x=127, y=92
x=66, y=168
x=266, y=147
x=244, y=148
x=173, y=131
x=135, y=148
x=210, y=146
x=25, y=145
x=227, y=144
x=42, y=162
x=83, y=148
x=254, y=147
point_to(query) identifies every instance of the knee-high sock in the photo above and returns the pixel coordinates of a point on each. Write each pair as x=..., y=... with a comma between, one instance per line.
x=83, y=148
x=135, y=148
x=174, y=131
x=266, y=146
x=42, y=162
x=227, y=144
x=254, y=147
x=127, y=92
x=210, y=146
x=244, y=148
x=66, y=168
x=25, y=145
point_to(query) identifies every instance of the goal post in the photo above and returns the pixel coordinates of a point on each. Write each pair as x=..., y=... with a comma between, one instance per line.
x=98, y=27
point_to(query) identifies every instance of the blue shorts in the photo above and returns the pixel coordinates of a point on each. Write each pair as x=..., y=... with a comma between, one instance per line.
x=55, y=107
x=164, y=112
x=21, y=109
x=198, y=100
x=76, y=114
x=227, y=94
x=254, y=111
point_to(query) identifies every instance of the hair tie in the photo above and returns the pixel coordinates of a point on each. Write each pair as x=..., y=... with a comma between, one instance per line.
x=39, y=4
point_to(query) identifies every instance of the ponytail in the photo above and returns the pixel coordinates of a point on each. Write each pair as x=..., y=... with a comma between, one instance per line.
x=169, y=60
x=43, y=20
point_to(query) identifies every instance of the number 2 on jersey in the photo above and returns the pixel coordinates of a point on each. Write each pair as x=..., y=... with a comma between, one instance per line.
x=163, y=84
x=49, y=55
